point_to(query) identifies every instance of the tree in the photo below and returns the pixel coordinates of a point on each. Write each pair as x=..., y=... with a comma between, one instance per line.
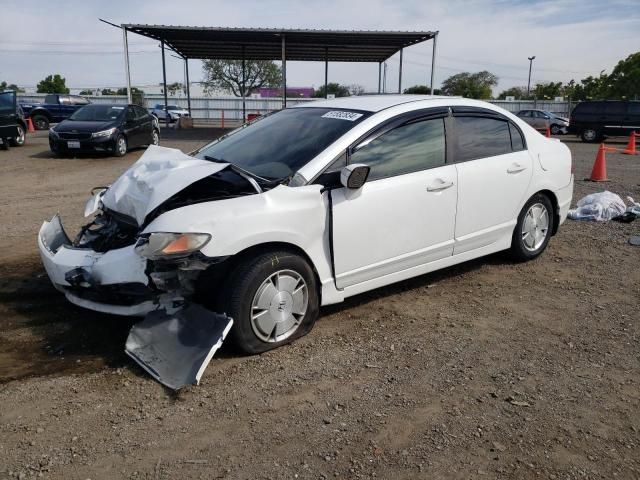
x=519, y=93
x=10, y=86
x=108, y=91
x=548, y=90
x=356, y=89
x=227, y=75
x=174, y=88
x=53, y=84
x=123, y=91
x=624, y=81
x=86, y=92
x=591, y=87
x=422, y=90
x=470, y=85
x=333, y=89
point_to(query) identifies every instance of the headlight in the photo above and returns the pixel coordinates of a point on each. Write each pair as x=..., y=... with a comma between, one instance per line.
x=103, y=133
x=158, y=245
x=53, y=133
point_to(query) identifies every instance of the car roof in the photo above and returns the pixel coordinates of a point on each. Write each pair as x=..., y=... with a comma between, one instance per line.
x=371, y=103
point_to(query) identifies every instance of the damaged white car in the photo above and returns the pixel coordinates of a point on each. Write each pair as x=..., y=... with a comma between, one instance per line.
x=300, y=209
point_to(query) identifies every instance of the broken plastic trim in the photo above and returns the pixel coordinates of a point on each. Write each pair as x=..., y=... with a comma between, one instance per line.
x=175, y=349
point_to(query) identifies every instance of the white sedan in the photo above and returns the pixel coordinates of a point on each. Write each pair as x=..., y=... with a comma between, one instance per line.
x=311, y=205
x=173, y=111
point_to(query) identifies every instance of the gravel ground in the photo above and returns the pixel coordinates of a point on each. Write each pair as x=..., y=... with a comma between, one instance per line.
x=489, y=369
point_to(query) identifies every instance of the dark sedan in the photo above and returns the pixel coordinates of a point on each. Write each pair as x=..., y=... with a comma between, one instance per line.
x=104, y=128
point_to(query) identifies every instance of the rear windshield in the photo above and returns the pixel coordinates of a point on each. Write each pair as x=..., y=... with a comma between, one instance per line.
x=278, y=145
x=98, y=113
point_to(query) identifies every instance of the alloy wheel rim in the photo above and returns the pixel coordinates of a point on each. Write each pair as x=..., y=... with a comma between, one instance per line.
x=122, y=146
x=279, y=305
x=155, y=140
x=535, y=227
x=590, y=134
x=20, y=137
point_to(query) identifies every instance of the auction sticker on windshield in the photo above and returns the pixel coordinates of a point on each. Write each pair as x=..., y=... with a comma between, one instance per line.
x=350, y=116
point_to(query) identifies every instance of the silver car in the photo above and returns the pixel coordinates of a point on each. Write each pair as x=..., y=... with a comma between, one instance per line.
x=173, y=111
x=541, y=119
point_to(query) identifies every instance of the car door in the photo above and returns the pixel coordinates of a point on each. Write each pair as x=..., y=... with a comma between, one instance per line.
x=494, y=170
x=404, y=215
x=132, y=128
x=8, y=116
x=145, y=121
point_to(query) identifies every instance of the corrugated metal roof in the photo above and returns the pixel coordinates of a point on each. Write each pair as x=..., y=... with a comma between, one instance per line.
x=266, y=43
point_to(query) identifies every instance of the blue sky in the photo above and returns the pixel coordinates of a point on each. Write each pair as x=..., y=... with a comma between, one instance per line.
x=570, y=39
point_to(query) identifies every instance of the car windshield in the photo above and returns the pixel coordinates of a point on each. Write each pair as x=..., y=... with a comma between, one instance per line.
x=173, y=107
x=98, y=113
x=278, y=145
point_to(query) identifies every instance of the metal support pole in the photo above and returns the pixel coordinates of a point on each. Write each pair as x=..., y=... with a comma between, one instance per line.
x=379, y=77
x=384, y=78
x=433, y=62
x=284, y=72
x=164, y=86
x=326, y=71
x=126, y=63
x=186, y=70
x=244, y=93
x=400, y=74
x=531, y=59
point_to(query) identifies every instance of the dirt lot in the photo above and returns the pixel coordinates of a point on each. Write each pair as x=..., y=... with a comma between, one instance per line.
x=487, y=370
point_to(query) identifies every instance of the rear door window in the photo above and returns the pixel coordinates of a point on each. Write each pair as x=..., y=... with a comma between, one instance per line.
x=517, y=142
x=614, y=108
x=7, y=103
x=51, y=99
x=480, y=137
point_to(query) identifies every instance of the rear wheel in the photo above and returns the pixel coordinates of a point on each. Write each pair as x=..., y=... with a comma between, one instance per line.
x=120, y=148
x=155, y=137
x=40, y=122
x=20, y=139
x=590, y=135
x=272, y=299
x=533, y=230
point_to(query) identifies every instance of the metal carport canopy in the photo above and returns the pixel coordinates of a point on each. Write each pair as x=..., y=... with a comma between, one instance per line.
x=280, y=44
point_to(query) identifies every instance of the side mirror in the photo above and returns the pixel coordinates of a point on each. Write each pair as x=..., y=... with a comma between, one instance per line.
x=354, y=176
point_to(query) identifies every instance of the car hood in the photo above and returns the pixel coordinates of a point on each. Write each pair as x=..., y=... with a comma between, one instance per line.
x=182, y=112
x=83, y=126
x=159, y=174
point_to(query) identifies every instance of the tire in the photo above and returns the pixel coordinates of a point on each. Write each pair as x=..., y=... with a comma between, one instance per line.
x=40, y=122
x=155, y=137
x=120, y=147
x=20, y=139
x=532, y=233
x=555, y=129
x=258, y=297
x=590, y=135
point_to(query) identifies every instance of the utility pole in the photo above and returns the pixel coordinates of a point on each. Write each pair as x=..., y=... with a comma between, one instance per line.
x=531, y=59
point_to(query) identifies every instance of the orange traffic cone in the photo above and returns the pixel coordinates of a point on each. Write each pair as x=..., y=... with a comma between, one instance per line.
x=547, y=133
x=599, y=171
x=631, y=146
x=30, y=128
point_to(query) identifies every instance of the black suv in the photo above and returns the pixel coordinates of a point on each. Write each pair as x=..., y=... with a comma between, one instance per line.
x=594, y=120
x=12, y=124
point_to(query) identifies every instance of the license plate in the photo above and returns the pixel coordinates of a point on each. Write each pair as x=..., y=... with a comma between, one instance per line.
x=73, y=144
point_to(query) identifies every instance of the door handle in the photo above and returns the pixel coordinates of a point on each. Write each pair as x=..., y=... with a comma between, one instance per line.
x=438, y=187
x=515, y=168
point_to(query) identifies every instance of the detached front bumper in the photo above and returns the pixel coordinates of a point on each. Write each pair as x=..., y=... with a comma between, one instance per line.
x=111, y=282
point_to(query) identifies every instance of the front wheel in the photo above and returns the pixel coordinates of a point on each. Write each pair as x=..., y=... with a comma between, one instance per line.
x=555, y=129
x=40, y=122
x=533, y=230
x=272, y=299
x=120, y=148
x=20, y=139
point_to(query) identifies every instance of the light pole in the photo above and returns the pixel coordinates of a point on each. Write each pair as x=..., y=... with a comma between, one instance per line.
x=531, y=59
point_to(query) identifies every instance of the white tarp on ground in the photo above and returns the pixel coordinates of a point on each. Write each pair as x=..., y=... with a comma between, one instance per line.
x=159, y=173
x=601, y=206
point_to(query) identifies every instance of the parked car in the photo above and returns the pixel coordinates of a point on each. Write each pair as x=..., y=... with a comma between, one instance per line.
x=310, y=205
x=592, y=121
x=105, y=128
x=541, y=119
x=54, y=109
x=173, y=111
x=13, y=127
